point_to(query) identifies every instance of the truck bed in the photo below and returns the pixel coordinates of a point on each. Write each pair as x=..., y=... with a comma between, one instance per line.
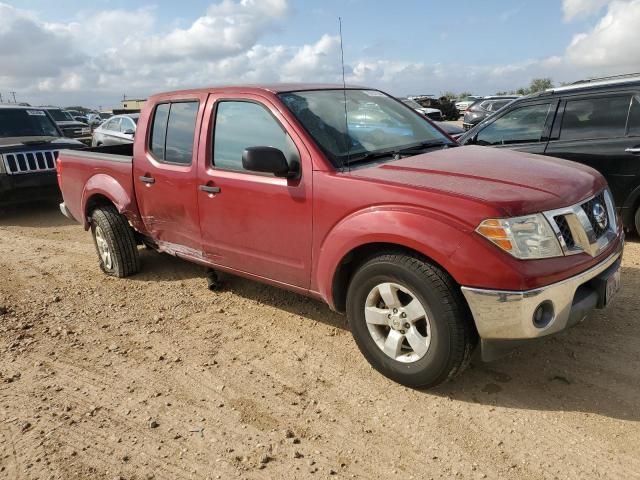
x=92, y=169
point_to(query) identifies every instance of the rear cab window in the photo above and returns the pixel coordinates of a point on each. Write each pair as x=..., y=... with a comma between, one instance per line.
x=173, y=132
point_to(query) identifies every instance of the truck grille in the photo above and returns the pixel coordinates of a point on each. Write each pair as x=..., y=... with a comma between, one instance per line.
x=587, y=227
x=29, y=162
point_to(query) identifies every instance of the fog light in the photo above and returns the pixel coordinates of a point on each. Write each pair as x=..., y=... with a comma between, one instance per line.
x=543, y=314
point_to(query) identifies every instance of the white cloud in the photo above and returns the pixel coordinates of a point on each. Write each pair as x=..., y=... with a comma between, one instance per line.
x=613, y=44
x=99, y=56
x=581, y=8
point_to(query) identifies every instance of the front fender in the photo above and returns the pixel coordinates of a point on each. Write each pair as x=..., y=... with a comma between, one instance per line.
x=106, y=186
x=425, y=231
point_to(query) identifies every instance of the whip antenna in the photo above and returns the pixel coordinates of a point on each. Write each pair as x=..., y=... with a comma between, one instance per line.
x=347, y=138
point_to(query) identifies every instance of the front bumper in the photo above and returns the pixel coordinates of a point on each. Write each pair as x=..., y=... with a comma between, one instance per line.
x=28, y=187
x=508, y=315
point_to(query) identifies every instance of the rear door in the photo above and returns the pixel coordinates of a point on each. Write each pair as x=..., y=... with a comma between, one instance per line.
x=524, y=127
x=602, y=131
x=165, y=173
x=254, y=223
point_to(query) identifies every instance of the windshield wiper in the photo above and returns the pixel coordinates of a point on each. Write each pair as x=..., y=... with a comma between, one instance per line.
x=396, y=153
x=422, y=146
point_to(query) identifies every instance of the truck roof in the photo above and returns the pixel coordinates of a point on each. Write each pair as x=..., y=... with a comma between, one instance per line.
x=257, y=88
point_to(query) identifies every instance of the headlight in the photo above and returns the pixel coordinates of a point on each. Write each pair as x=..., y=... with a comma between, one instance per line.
x=527, y=237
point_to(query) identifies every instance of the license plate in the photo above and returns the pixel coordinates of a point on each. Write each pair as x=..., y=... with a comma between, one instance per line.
x=613, y=286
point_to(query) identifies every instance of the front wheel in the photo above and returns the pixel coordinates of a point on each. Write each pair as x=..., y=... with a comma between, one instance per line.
x=409, y=319
x=115, y=242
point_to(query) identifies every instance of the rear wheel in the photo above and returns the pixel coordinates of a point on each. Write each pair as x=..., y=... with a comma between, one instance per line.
x=637, y=221
x=409, y=320
x=115, y=242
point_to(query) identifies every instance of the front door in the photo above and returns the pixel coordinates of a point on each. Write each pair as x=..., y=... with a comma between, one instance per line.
x=165, y=174
x=524, y=127
x=254, y=223
x=602, y=131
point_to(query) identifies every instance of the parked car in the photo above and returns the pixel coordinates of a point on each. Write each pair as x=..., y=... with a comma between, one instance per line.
x=432, y=113
x=70, y=128
x=29, y=144
x=452, y=129
x=94, y=119
x=481, y=109
x=595, y=123
x=425, y=245
x=463, y=104
x=119, y=129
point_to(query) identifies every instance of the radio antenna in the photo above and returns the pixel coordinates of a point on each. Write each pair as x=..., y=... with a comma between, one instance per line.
x=344, y=93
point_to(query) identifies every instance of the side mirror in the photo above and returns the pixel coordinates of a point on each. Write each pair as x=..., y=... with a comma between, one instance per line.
x=129, y=132
x=267, y=160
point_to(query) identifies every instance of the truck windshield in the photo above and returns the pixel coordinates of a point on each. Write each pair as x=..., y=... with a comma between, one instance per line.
x=60, y=115
x=18, y=122
x=375, y=124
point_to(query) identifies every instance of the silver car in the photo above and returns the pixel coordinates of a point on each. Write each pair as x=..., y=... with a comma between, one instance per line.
x=118, y=130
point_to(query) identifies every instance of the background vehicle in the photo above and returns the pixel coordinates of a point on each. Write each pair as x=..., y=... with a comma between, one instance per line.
x=594, y=122
x=94, y=119
x=425, y=245
x=70, y=128
x=463, y=104
x=118, y=130
x=29, y=145
x=432, y=113
x=451, y=128
x=481, y=109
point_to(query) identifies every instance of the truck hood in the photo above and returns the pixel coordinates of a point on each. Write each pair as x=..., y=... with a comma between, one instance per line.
x=54, y=142
x=513, y=182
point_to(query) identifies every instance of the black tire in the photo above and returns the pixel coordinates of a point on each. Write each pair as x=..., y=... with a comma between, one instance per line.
x=636, y=220
x=120, y=239
x=452, y=334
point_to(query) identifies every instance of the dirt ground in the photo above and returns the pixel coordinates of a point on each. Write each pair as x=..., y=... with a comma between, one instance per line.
x=157, y=377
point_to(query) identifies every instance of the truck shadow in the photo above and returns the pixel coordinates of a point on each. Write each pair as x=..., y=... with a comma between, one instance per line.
x=158, y=266
x=42, y=214
x=593, y=367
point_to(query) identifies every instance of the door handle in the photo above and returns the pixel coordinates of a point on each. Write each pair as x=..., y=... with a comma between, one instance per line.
x=632, y=150
x=148, y=180
x=209, y=189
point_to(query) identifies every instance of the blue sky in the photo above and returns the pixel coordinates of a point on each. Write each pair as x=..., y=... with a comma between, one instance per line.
x=404, y=46
x=495, y=31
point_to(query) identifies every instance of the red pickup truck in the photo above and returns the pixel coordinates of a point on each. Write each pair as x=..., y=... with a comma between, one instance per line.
x=351, y=197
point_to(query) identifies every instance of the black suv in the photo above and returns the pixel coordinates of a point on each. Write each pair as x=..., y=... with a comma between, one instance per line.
x=594, y=122
x=29, y=145
x=70, y=127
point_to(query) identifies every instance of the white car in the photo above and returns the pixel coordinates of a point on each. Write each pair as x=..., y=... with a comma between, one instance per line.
x=466, y=102
x=118, y=130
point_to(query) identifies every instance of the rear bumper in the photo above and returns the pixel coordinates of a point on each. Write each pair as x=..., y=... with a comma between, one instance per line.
x=508, y=315
x=28, y=187
x=65, y=211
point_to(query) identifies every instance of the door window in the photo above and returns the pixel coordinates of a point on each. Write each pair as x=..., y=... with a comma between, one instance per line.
x=520, y=125
x=126, y=124
x=113, y=125
x=634, y=116
x=159, y=131
x=173, y=132
x=240, y=125
x=604, y=117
